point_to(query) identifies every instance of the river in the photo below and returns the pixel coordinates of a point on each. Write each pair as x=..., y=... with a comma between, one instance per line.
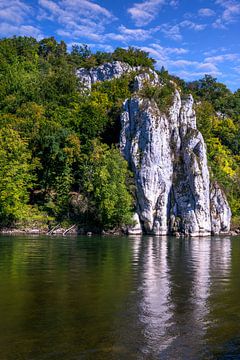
x=119, y=298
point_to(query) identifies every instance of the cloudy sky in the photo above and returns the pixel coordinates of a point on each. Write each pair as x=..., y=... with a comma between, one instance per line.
x=189, y=37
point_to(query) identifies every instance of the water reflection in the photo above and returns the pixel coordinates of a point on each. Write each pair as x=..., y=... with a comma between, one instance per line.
x=155, y=308
x=177, y=280
x=119, y=298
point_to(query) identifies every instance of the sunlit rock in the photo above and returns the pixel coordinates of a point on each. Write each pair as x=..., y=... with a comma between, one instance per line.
x=220, y=210
x=136, y=228
x=107, y=71
x=168, y=157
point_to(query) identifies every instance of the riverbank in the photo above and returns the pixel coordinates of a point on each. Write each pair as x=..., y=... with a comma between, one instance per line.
x=75, y=230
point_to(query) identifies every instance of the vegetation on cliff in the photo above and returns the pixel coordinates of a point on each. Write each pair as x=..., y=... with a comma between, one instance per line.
x=58, y=145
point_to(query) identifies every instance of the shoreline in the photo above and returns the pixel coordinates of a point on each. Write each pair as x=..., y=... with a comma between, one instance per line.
x=74, y=231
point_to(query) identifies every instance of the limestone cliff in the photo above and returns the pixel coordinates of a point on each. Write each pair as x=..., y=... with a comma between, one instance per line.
x=168, y=157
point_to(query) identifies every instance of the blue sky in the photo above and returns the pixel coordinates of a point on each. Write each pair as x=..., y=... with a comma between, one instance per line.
x=189, y=37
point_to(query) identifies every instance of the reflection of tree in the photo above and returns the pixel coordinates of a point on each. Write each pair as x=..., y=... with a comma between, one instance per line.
x=63, y=295
x=222, y=337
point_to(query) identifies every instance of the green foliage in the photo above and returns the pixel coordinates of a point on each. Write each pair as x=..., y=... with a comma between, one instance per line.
x=116, y=91
x=209, y=89
x=226, y=170
x=16, y=177
x=134, y=57
x=163, y=96
x=221, y=135
x=41, y=104
x=82, y=56
x=205, y=116
x=105, y=182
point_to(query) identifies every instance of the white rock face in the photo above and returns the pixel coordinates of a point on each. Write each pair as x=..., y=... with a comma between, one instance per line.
x=168, y=157
x=150, y=77
x=220, y=211
x=104, y=72
x=115, y=70
x=145, y=144
x=136, y=229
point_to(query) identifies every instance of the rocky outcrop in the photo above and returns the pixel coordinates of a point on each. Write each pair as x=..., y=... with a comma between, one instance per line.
x=136, y=228
x=220, y=211
x=168, y=157
x=115, y=70
x=167, y=154
x=104, y=72
x=150, y=78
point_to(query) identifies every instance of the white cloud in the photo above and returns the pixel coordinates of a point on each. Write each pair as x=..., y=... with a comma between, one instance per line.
x=169, y=50
x=13, y=11
x=77, y=8
x=115, y=37
x=208, y=67
x=237, y=69
x=222, y=58
x=135, y=34
x=206, y=12
x=123, y=34
x=142, y=13
x=193, y=26
x=219, y=24
x=163, y=55
x=78, y=18
x=174, y=3
x=86, y=8
x=7, y=29
x=80, y=32
x=15, y=19
x=215, y=51
x=189, y=69
x=173, y=32
x=231, y=11
x=190, y=75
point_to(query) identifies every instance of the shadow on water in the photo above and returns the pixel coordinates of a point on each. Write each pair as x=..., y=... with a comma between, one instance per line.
x=119, y=298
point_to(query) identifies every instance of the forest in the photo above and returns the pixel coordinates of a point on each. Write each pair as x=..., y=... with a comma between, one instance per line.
x=59, y=155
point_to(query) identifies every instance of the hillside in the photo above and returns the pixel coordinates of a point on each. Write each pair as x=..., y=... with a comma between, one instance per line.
x=60, y=158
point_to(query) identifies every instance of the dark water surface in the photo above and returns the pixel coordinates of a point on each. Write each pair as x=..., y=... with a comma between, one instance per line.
x=119, y=298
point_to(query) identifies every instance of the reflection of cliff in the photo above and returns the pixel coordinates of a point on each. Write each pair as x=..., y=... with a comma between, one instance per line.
x=178, y=283
x=155, y=311
x=201, y=255
x=169, y=280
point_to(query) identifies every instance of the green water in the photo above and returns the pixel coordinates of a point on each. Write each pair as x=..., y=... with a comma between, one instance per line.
x=119, y=298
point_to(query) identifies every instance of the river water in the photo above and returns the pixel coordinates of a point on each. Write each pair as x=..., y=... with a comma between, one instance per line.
x=119, y=298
